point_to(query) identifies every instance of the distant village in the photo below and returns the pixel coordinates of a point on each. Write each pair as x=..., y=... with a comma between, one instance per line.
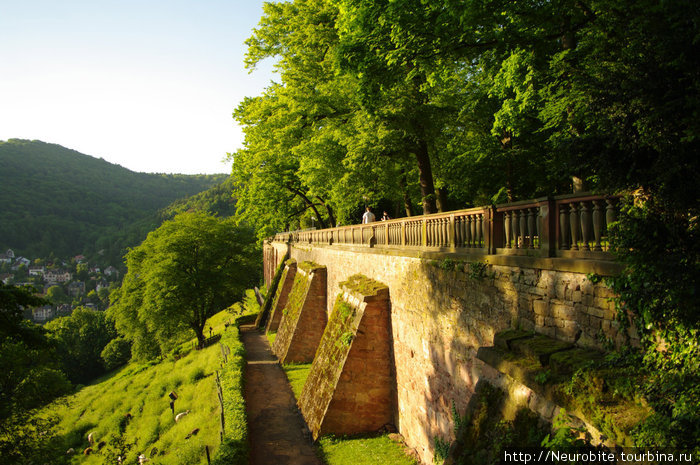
x=66, y=284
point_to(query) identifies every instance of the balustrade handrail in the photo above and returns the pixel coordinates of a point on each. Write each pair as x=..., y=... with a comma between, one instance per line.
x=572, y=225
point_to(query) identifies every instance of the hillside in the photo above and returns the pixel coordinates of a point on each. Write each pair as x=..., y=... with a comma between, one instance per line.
x=56, y=200
x=217, y=200
x=129, y=408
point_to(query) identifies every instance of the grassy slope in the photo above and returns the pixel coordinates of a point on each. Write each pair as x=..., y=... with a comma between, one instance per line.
x=142, y=390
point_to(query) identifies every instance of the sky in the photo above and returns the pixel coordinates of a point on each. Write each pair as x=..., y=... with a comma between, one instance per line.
x=150, y=85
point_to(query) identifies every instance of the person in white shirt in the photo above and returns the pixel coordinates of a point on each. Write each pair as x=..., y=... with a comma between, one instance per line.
x=368, y=217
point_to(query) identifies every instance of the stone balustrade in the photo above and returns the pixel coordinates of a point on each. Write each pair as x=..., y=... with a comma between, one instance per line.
x=572, y=226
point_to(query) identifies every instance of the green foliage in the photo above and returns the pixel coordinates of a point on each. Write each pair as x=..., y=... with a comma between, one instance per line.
x=234, y=448
x=217, y=200
x=80, y=339
x=182, y=274
x=657, y=240
x=563, y=437
x=543, y=376
x=29, y=378
x=477, y=271
x=271, y=296
x=129, y=409
x=58, y=200
x=485, y=432
x=442, y=449
x=116, y=353
x=362, y=450
x=296, y=375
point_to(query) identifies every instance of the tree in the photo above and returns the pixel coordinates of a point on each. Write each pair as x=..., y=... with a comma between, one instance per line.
x=80, y=339
x=56, y=295
x=29, y=378
x=185, y=271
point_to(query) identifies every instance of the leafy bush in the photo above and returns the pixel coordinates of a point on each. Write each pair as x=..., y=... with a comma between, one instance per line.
x=234, y=448
x=116, y=353
x=659, y=242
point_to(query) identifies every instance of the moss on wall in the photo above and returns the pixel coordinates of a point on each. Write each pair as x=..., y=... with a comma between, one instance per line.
x=261, y=320
x=363, y=285
x=486, y=430
x=291, y=314
x=309, y=267
x=328, y=363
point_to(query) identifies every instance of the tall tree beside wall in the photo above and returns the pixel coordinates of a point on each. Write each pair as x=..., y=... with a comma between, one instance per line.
x=188, y=269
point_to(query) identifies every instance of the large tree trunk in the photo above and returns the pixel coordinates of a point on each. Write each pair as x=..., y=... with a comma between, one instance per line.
x=441, y=199
x=403, y=184
x=425, y=176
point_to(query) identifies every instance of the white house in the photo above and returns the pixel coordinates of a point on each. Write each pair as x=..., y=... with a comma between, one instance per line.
x=36, y=270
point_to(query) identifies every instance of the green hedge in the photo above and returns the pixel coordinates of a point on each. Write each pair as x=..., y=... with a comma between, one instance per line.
x=234, y=448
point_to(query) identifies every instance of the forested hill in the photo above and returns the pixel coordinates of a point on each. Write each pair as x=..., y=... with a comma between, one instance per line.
x=56, y=200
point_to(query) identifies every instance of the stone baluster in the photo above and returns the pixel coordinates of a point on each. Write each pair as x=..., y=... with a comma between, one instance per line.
x=475, y=243
x=610, y=213
x=585, y=225
x=522, y=214
x=468, y=231
x=515, y=225
x=464, y=226
x=479, y=228
x=597, y=225
x=531, y=215
x=439, y=241
x=506, y=223
x=575, y=225
x=458, y=231
x=563, y=227
x=445, y=233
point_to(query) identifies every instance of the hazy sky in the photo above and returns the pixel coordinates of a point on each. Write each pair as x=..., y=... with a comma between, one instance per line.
x=147, y=84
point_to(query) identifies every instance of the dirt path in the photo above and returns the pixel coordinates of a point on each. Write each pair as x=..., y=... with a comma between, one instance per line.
x=276, y=428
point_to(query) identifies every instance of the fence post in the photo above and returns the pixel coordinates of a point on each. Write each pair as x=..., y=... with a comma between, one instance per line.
x=549, y=219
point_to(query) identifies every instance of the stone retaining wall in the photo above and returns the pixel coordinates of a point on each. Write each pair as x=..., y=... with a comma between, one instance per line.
x=443, y=311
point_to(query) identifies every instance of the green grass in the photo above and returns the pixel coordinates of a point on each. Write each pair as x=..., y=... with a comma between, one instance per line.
x=271, y=337
x=349, y=450
x=362, y=451
x=234, y=450
x=297, y=374
x=141, y=391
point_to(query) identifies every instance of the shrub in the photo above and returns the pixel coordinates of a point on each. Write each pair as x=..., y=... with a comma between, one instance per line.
x=116, y=353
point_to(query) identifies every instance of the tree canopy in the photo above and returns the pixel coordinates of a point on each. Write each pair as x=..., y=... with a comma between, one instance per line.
x=447, y=104
x=183, y=273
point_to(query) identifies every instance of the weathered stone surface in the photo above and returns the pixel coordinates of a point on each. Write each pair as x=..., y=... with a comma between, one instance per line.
x=282, y=295
x=351, y=384
x=539, y=347
x=304, y=316
x=439, y=319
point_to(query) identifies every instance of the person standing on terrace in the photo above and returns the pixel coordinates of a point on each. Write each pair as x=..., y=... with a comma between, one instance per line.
x=368, y=217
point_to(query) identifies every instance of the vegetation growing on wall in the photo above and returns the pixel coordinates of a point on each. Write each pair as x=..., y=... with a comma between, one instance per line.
x=362, y=285
x=484, y=432
x=272, y=294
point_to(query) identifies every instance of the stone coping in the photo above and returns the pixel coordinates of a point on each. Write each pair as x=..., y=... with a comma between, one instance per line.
x=365, y=288
x=546, y=366
x=310, y=267
x=573, y=265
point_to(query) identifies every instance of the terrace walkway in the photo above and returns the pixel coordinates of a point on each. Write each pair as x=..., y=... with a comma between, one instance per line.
x=275, y=426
